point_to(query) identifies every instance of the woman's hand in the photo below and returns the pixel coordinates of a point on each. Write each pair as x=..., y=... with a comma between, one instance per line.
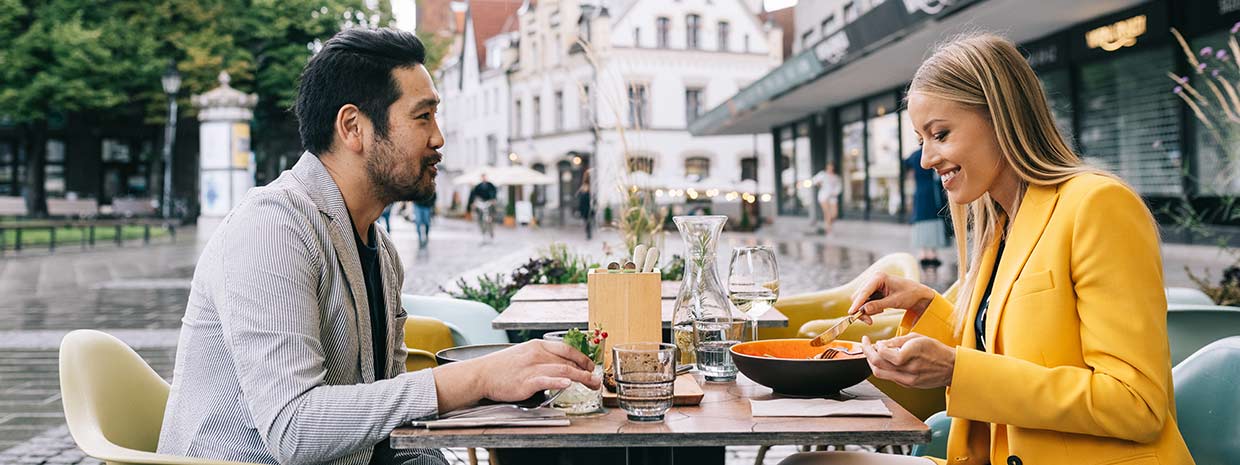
x=911, y=360
x=882, y=292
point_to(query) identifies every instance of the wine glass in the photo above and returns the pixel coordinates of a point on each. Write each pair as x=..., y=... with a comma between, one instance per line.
x=753, y=281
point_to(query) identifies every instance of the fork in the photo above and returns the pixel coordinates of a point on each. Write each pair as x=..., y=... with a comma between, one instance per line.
x=492, y=408
x=832, y=353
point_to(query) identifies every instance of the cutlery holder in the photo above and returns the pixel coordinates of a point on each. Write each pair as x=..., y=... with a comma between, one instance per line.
x=628, y=306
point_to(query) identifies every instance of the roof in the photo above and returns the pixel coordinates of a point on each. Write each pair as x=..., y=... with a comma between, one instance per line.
x=785, y=18
x=490, y=17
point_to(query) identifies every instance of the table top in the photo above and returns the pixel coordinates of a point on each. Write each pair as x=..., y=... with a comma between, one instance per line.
x=546, y=292
x=554, y=315
x=722, y=419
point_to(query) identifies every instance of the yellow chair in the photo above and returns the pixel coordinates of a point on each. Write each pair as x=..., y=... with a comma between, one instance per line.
x=423, y=337
x=114, y=402
x=831, y=303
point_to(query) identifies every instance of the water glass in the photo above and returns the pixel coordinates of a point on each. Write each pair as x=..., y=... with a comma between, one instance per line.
x=712, y=338
x=577, y=398
x=645, y=374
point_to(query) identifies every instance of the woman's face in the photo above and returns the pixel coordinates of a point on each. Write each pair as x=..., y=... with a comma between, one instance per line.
x=959, y=143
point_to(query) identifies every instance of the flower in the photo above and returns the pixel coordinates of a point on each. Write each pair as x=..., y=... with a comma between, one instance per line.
x=1221, y=54
x=1235, y=28
x=1207, y=51
x=1178, y=89
x=1214, y=73
x=1201, y=67
x=1181, y=79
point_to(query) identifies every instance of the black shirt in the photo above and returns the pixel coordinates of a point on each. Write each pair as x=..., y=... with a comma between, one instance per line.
x=979, y=325
x=369, y=255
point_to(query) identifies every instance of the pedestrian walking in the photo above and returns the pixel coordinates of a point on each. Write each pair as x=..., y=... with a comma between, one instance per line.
x=929, y=230
x=423, y=210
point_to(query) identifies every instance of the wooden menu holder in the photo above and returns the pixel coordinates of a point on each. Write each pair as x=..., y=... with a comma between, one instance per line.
x=627, y=306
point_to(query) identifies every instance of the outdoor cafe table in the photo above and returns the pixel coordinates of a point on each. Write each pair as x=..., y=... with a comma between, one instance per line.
x=550, y=307
x=722, y=419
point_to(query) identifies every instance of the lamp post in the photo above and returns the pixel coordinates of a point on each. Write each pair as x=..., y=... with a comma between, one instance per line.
x=172, y=83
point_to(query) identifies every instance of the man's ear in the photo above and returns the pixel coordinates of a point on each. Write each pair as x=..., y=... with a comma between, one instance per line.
x=350, y=128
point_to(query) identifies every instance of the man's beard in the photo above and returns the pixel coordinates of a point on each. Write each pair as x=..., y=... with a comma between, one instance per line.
x=388, y=178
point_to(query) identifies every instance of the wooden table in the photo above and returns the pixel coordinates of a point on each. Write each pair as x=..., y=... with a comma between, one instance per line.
x=722, y=419
x=550, y=307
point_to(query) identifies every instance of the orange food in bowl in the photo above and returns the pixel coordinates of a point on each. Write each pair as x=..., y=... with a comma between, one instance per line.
x=795, y=349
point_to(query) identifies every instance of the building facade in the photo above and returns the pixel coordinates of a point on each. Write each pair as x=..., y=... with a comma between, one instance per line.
x=611, y=86
x=1104, y=67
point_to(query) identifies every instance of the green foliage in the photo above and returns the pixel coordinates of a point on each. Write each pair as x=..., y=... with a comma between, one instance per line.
x=675, y=269
x=554, y=265
x=590, y=344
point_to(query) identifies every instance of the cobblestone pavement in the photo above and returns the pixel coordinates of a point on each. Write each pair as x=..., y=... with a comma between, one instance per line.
x=138, y=293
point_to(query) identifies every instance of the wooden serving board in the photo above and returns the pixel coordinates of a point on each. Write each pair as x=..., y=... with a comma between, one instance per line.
x=686, y=391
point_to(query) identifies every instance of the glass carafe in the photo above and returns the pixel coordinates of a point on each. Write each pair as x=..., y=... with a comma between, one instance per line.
x=701, y=293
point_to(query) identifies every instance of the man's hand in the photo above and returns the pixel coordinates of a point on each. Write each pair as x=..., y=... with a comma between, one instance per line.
x=912, y=360
x=512, y=374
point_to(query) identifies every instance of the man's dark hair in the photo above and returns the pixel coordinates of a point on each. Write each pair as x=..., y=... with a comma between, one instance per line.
x=355, y=66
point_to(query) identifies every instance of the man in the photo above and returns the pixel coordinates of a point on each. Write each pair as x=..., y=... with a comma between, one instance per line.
x=423, y=209
x=484, y=192
x=291, y=346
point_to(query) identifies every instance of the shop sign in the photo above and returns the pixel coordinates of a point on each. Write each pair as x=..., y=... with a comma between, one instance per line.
x=930, y=7
x=1117, y=35
x=833, y=49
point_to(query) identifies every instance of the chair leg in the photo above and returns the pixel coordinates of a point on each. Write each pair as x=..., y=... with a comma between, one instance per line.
x=473, y=455
x=761, y=455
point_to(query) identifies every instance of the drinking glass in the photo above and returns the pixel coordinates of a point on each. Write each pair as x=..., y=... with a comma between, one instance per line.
x=645, y=373
x=712, y=338
x=577, y=398
x=753, y=281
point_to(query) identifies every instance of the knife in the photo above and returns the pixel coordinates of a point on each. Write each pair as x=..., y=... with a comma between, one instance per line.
x=834, y=332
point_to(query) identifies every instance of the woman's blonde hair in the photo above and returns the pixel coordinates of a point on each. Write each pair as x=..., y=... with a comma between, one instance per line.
x=986, y=71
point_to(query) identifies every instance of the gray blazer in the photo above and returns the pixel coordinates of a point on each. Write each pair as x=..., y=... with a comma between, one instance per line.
x=274, y=361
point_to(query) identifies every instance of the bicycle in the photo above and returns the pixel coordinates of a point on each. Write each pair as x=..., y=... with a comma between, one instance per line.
x=486, y=218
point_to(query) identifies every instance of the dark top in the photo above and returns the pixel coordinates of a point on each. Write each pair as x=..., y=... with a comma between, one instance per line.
x=928, y=197
x=483, y=191
x=979, y=325
x=369, y=255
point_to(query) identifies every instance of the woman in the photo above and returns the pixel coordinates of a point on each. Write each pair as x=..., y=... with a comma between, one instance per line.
x=929, y=233
x=1056, y=350
x=829, y=188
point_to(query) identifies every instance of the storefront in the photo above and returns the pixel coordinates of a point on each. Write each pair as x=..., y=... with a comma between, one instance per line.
x=1105, y=76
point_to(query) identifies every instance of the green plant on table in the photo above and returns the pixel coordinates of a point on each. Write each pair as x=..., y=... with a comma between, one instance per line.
x=591, y=344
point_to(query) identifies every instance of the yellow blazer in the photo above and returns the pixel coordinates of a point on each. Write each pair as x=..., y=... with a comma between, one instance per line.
x=1077, y=368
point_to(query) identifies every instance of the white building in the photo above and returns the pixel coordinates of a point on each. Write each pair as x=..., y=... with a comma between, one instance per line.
x=638, y=71
x=473, y=87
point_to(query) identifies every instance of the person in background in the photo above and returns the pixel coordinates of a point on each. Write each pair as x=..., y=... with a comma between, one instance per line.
x=423, y=209
x=484, y=193
x=386, y=216
x=929, y=201
x=829, y=187
x=585, y=204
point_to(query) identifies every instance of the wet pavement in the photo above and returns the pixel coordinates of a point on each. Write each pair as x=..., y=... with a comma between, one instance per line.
x=138, y=293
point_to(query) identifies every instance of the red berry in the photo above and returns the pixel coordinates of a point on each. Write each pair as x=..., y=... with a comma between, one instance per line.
x=596, y=341
x=604, y=334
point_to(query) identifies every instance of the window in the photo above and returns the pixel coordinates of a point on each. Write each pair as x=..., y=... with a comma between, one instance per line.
x=492, y=150
x=54, y=170
x=642, y=164
x=746, y=43
x=516, y=117
x=559, y=50
x=663, y=31
x=637, y=37
x=639, y=106
x=749, y=168
x=559, y=110
x=850, y=12
x=724, y=30
x=828, y=25
x=697, y=168
x=806, y=38
x=537, y=115
x=693, y=104
x=693, y=27
x=586, y=107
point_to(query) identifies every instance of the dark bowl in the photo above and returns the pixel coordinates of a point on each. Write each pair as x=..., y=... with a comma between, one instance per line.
x=456, y=354
x=785, y=366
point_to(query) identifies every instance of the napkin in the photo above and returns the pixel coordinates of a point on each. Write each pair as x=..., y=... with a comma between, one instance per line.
x=496, y=415
x=818, y=408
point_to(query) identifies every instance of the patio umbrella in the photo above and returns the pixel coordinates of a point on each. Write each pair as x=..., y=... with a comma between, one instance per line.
x=504, y=176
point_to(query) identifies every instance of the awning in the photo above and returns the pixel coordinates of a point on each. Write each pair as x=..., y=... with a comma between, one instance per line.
x=504, y=176
x=847, y=65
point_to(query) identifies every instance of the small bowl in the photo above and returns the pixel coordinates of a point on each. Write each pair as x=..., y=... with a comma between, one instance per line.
x=786, y=366
x=457, y=354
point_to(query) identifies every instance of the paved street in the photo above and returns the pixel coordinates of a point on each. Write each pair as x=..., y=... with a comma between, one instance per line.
x=138, y=293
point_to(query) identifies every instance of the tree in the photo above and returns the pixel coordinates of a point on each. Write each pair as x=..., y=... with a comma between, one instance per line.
x=61, y=59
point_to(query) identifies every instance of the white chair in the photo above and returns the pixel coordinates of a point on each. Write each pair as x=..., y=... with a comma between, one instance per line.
x=470, y=319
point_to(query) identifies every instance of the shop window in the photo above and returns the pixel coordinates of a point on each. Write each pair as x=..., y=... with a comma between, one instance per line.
x=852, y=169
x=796, y=187
x=54, y=170
x=693, y=30
x=1057, y=85
x=9, y=161
x=883, y=155
x=697, y=168
x=1130, y=121
x=642, y=164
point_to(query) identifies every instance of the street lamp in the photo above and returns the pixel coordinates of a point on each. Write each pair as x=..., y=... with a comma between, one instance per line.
x=172, y=83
